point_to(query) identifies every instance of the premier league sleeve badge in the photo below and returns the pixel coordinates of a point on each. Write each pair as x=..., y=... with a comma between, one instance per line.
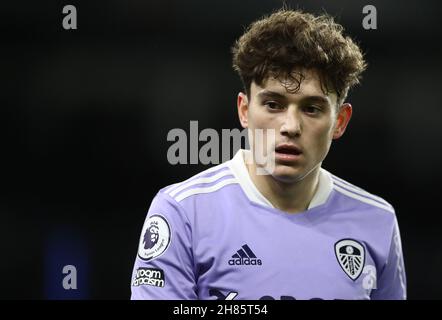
x=155, y=237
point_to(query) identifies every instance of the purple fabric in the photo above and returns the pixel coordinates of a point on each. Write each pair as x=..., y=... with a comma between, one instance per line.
x=222, y=245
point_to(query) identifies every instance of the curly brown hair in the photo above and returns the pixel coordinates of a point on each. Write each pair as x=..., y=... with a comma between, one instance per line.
x=278, y=44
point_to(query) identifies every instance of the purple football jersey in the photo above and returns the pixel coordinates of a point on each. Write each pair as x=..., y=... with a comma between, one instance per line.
x=215, y=236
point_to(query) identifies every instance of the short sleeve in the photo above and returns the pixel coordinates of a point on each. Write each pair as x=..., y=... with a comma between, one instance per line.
x=163, y=267
x=391, y=284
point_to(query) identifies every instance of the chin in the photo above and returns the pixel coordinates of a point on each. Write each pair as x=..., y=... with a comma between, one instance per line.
x=287, y=174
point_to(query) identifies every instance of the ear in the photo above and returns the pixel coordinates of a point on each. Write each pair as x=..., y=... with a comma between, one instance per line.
x=243, y=108
x=342, y=120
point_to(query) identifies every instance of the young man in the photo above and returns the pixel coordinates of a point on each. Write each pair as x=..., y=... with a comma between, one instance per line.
x=295, y=231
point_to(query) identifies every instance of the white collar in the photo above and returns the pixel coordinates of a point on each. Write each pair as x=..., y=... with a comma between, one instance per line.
x=239, y=169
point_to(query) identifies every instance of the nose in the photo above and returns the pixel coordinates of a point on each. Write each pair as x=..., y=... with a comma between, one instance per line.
x=292, y=125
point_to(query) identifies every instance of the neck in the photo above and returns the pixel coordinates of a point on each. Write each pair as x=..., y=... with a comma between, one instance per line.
x=292, y=197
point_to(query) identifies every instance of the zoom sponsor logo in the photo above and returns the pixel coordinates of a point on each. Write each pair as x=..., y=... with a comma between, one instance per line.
x=245, y=257
x=149, y=277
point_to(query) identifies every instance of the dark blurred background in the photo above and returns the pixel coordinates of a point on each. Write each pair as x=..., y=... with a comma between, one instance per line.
x=85, y=114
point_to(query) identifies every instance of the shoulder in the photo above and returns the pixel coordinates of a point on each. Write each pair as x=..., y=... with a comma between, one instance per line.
x=370, y=217
x=358, y=196
x=168, y=205
x=206, y=182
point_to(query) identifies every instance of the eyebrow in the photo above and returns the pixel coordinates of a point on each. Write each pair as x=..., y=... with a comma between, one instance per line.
x=272, y=94
x=319, y=99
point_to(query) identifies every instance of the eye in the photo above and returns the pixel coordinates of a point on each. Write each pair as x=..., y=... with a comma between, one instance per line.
x=313, y=110
x=272, y=105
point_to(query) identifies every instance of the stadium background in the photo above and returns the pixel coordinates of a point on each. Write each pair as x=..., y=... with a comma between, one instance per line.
x=85, y=115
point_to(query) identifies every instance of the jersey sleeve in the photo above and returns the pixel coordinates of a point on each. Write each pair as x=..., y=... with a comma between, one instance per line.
x=391, y=284
x=163, y=267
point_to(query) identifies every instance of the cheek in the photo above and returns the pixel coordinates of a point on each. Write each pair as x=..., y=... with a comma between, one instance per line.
x=259, y=118
x=263, y=128
x=320, y=136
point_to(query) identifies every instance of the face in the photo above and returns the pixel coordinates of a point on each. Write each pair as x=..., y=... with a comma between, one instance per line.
x=305, y=123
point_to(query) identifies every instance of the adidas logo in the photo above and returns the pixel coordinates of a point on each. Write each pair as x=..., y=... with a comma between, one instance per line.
x=244, y=257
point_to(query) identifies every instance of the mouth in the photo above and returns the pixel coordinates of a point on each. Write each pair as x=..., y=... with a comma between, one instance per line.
x=287, y=152
x=288, y=149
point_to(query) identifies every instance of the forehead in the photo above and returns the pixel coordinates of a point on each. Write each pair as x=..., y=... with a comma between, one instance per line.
x=310, y=86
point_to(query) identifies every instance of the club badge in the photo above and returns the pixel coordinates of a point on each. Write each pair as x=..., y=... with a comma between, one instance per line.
x=351, y=257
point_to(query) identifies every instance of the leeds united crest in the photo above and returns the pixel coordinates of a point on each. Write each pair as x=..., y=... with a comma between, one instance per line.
x=351, y=257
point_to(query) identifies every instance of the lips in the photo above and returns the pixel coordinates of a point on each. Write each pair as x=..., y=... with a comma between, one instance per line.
x=288, y=149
